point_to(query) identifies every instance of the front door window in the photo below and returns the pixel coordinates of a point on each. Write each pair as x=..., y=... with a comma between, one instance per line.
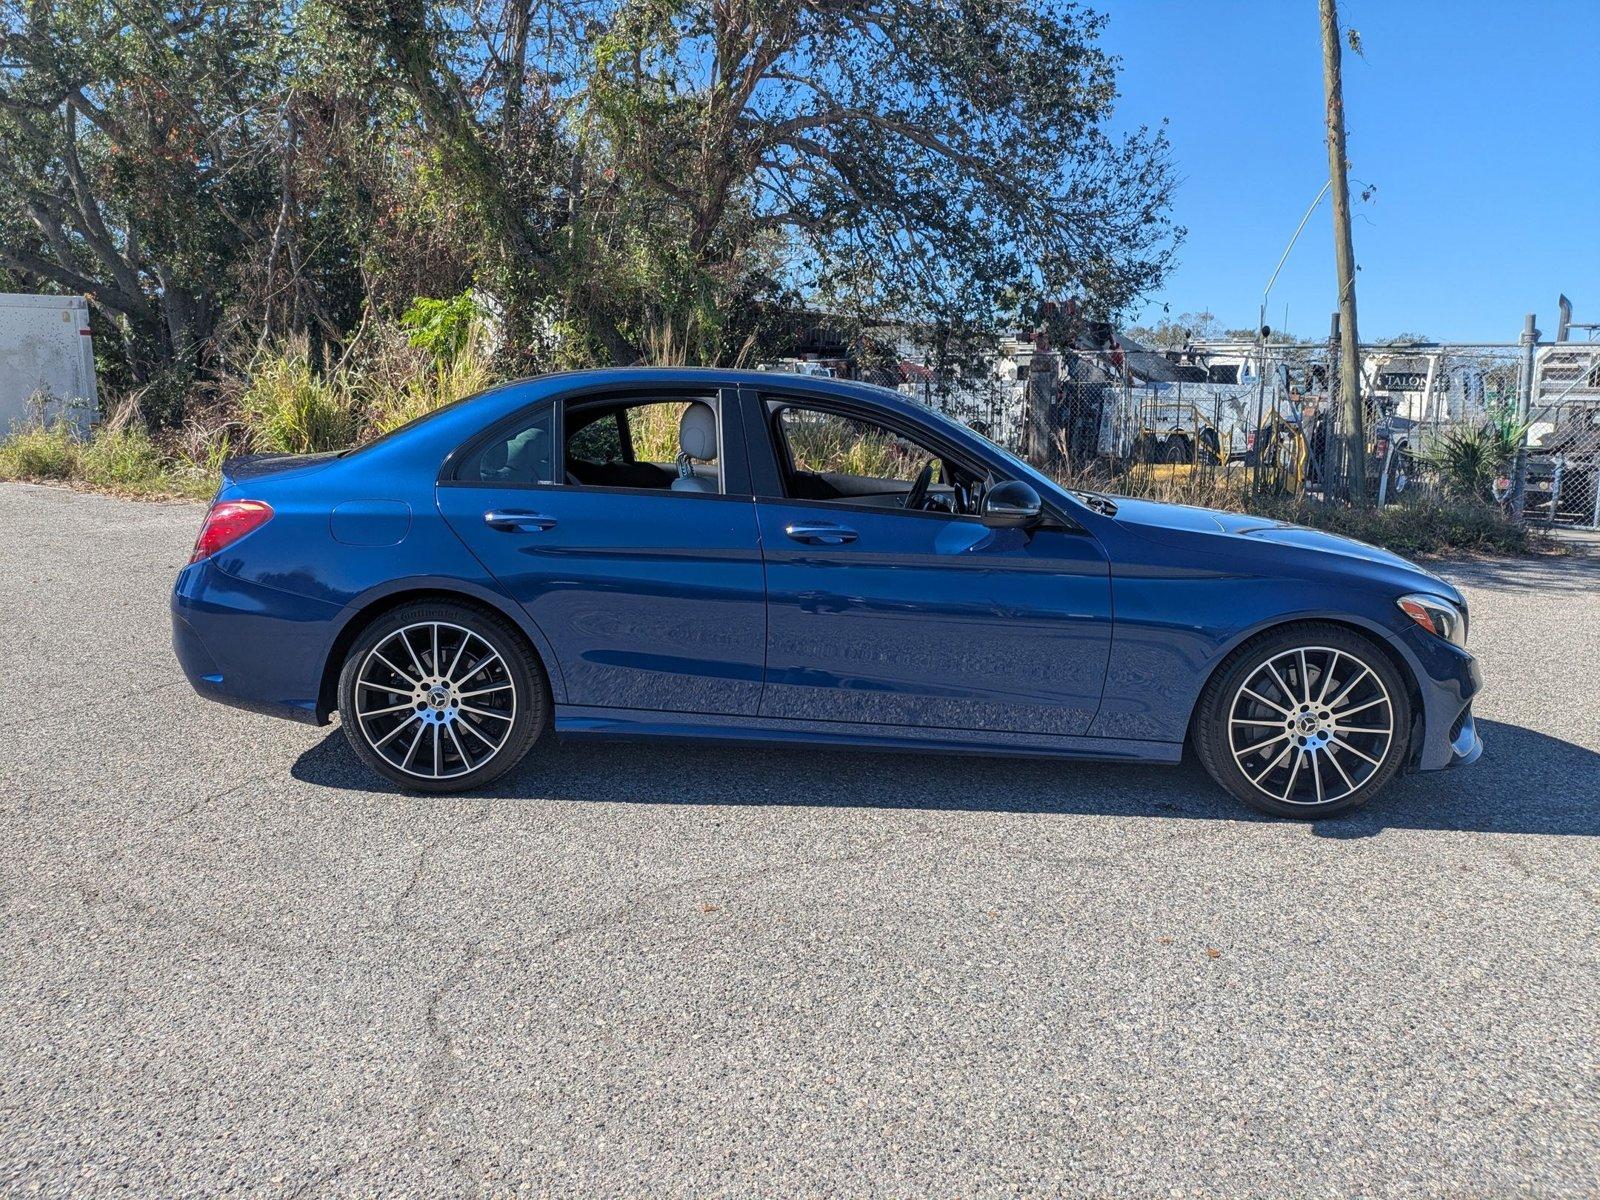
x=832, y=456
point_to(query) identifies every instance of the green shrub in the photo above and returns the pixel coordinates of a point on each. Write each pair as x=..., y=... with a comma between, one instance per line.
x=162, y=402
x=123, y=460
x=41, y=452
x=442, y=327
x=290, y=409
x=1468, y=461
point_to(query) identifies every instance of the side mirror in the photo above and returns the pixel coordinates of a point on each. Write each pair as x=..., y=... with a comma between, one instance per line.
x=1011, y=505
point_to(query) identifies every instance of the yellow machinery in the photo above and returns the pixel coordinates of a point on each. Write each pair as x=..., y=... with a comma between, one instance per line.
x=1281, y=456
x=1176, y=435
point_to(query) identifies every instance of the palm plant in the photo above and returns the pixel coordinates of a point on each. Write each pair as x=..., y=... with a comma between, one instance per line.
x=1468, y=460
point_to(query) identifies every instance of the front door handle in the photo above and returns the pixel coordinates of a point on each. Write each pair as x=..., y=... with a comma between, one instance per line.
x=820, y=533
x=508, y=519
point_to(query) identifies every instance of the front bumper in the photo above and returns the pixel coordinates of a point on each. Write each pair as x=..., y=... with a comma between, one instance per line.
x=1448, y=678
x=251, y=646
x=1466, y=747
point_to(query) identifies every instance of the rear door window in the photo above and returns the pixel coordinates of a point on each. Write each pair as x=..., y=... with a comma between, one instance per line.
x=635, y=444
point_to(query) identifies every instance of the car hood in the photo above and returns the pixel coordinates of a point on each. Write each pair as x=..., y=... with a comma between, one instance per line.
x=1181, y=524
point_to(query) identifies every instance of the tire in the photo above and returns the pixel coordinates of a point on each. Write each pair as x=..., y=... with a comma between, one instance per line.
x=1401, y=471
x=1176, y=450
x=396, y=679
x=1320, y=764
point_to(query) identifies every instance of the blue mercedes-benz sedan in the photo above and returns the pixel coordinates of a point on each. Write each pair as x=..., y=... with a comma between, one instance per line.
x=768, y=557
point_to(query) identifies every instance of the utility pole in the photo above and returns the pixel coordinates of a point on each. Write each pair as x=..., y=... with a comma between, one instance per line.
x=1519, y=466
x=1331, y=451
x=1044, y=371
x=1351, y=431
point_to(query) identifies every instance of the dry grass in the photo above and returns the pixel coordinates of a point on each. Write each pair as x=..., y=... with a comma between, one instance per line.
x=396, y=382
x=1424, y=524
x=291, y=408
x=286, y=404
x=654, y=429
x=828, y=443
x=122, y=461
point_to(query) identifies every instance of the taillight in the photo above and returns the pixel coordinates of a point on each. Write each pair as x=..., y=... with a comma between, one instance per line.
x=226, y=523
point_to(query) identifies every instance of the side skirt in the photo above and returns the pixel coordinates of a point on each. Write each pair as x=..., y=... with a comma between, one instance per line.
x=574, y=721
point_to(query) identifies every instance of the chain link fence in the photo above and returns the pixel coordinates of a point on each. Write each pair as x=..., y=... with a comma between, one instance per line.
x=1516, y=424
x=1560, y=477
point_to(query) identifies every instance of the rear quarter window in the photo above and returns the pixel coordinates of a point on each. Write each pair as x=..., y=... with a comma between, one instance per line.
x=523, y=453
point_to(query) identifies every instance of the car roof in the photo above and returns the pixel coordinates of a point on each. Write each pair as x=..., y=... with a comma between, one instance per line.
x=818, y=385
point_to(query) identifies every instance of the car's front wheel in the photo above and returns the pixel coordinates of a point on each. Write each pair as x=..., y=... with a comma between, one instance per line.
x=1305, y=721
x=442, y=698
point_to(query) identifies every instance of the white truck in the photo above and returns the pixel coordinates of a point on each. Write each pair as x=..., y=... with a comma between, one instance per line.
x=46, y=360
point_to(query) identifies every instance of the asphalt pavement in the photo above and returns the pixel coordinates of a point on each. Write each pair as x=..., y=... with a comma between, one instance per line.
x=232, y=963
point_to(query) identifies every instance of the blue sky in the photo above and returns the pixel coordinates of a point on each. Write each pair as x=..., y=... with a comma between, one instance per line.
x=1478, y=123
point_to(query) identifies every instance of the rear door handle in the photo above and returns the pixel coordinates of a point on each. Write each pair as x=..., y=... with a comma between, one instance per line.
x=508, y=519
x=820, y=533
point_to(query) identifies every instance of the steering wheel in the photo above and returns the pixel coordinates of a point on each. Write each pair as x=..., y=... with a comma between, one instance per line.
x=919, y=488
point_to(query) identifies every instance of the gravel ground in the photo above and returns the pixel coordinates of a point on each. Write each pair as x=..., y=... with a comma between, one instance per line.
x=229, y=965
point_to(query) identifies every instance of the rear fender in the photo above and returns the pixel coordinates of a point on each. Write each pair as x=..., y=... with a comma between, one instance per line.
x=356, y=615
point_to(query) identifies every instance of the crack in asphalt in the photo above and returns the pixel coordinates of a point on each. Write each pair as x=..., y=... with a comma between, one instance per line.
x=332, y=1000
x=446, y=1055
x=419, y=864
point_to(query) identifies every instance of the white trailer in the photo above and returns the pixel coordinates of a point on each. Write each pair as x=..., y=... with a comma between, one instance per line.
x=46, y=359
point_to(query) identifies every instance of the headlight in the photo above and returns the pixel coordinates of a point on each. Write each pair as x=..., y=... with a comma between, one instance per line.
x=1439, y=617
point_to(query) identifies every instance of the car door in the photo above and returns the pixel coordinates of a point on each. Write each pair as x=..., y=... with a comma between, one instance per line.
x=880, y=615
x=651, y=595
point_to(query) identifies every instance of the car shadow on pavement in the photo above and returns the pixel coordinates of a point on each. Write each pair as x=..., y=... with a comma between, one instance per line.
x=1526, y=782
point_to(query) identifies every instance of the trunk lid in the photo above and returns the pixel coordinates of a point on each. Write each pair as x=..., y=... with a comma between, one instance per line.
x=257, y=466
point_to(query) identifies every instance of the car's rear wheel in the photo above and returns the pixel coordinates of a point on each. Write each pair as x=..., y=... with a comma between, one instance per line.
x=1305, y=721
x=442, y=698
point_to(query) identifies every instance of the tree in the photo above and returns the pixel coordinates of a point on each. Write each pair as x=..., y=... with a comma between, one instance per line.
x=1173, y=333
x=662, y=167
x=127, y=176
x=670, y=179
